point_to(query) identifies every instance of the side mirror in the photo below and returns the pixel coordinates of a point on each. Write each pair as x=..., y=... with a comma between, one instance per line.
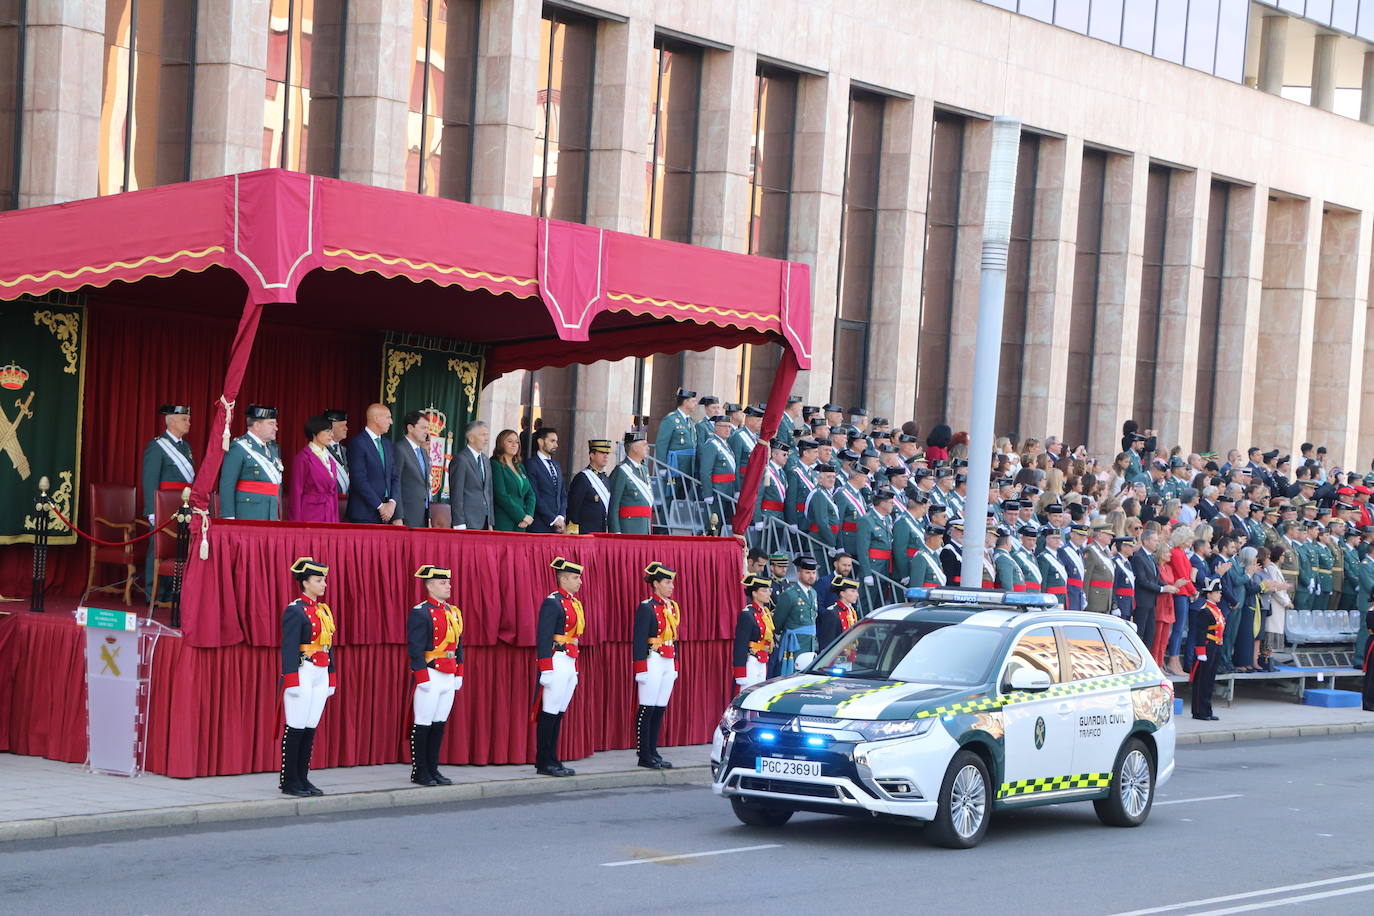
x=1031, y=679
x=803, y=661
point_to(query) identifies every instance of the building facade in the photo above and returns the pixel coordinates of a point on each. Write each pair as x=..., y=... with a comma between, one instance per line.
x=1192, y=226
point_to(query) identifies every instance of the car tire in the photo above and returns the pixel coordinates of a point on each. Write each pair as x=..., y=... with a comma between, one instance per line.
x=759, y=814
x=965, y=803
x=1132, y=790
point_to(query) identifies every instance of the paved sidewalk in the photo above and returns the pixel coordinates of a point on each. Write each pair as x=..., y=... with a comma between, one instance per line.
x=44, y=798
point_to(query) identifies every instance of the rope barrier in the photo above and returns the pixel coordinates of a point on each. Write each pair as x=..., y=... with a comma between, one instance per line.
x=95, y=540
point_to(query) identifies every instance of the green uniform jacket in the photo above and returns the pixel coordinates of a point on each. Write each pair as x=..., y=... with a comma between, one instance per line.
x=1323, y=565
x=925, y=569
x=1337, y=552
x=796, y=608
x=512, y=497
x=1364, y=593
x=624, y=494
x=1030, y=568
x=1098, y=568
x=1135, y=470
x=1350, y=581
x=1291, y=565
x=717, y=469
x=159, y=468
x=239, y=466
x=676, y=434
x=907, y=540
x=800, y=483
x=1010, y=578
x=822, y=516
x=772, y=502
x=850, y=516
x=742, y=443
x=705, y=427
x=1053, y=578
x=875, y=543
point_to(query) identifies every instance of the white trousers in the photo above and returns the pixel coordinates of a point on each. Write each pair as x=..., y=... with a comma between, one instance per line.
x=304, y=709
x=755, y=671
x=433, y=705
x=658, y=686
x=558, y=692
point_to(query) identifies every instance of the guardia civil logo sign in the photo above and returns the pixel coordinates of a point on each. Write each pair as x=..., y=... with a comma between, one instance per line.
x=1039, y=732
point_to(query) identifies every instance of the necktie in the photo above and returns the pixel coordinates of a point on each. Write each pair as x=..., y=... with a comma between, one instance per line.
x=481, y=471
x=553, y=469
x=381, y=456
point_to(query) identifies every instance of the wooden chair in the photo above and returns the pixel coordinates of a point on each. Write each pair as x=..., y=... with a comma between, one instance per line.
x=113, y=519
x=164, y=543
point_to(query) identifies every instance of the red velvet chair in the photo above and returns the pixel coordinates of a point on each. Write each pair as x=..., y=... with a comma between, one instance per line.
x=113, y=519
x=164, y=543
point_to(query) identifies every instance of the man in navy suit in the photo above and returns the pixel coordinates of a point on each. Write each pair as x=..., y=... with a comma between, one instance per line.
x=548, y=482
x=375, y=483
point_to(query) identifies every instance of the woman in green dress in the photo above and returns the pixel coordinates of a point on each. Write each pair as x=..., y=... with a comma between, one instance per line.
x=510, y=488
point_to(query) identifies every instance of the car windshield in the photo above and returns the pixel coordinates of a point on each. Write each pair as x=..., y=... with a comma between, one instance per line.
x=913, y=650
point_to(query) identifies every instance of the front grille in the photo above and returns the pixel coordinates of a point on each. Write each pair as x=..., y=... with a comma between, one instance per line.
x=784, y=787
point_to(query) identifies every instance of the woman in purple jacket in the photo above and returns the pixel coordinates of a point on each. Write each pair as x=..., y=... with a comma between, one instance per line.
x=312, y=487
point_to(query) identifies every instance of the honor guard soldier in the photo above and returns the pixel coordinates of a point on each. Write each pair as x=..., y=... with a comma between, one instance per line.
x=561, y=623
x=589, y=493
x=434, y=641
x=821, y=514
x=1010, y=576
x=167, y=465
x=1123, y=581
x=632, y=496
x=925, y=570
x=906, y=535
x=874, y=538
x=653, y=649
x=1054, y=578
x=307, y=667
x=1071, y=557
x=1024, y=554
x=840, y=616
x=1100, y=569
x=716, y=464
x=853, y=507
x=753, y=633
x=773, y=490
x=794, y=616
x=801, y=480
x=1208, y=631
x=250, y=479
x=675, y=446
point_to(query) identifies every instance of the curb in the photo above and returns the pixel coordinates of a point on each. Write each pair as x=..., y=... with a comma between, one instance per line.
x=378, y=799
x=1279, y=731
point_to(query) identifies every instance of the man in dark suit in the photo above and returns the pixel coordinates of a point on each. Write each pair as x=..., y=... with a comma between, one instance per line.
x=547, y=480
x=1147, y=585
x=470, y=480
x=374, y=478
x=413, y=457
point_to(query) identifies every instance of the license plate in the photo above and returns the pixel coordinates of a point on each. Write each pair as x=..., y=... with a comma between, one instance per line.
x=778, y=766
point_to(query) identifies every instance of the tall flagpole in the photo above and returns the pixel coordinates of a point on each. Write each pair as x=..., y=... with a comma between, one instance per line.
x=992, y=291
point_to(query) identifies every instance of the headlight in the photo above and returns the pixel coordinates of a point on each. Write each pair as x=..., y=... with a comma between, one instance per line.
x=734, y=714
x=899, y=728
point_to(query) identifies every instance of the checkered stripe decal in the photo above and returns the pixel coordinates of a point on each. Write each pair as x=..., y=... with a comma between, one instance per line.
x=1059, y=690
x=779, y=695
x=865, y=693
x=1054, y=784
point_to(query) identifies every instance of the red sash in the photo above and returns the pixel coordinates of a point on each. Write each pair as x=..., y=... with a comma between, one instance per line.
x=253, y=486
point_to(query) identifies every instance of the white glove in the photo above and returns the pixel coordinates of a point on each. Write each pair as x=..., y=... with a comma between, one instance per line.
x=545, y=678
x=1202, y=658
x=906, y=580
x=458, y=682
x=426, y=686
x=794, y=529
x=868, y=580
x=1312, y=586
x=757, y=526
x=150, y=520
x=330, y=693
x=708, y=500
x=641, y=677
x=293, y=692
x=739, y=681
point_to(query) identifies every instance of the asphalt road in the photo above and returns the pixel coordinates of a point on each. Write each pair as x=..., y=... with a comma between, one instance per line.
x=1244, y=826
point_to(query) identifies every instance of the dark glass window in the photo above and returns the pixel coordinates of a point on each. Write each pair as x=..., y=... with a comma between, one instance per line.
x=302, y=117
x=1151, y=294
x=858, y=245
x=1017, y=302
x=563, y=135
x=443, y=87
x=12, y=46
x=937, y=287
x=145, y=110
x=1209, y=328
x=1083, y=311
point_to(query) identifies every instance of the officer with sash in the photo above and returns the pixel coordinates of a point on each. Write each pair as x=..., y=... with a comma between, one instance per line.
x=716, y=464
x=1024, y=554
x=1071, y=558
x=874, y=540
x=773, y=491
x=434, y=642
x=906, y=534
x=952, y=553
x=561, y=624
x=1054, y=577
x=308, y=679
x=675, y=446
x=632, y=496
x=653, y=648
x=338, y=420
x=753, y=633
x=1099, y=569
x=801, y=480
x=589, y=493
x=925, y=569
x=832, y=621
x=1123, y=582
x=853, y=507
x=167, y=465
x=1010, y=577
x=743, y=440
x=821, y=512
x=250, y=479
x=710, y=408
x=794, y=616
x=791, y=418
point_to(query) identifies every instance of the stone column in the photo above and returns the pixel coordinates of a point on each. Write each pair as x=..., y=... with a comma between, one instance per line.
x=376, y=101
x=1180, y=312
x=62, y=98
x=1049, y=300
x=1333, y=416
x=1287, y=308
x=1367, y=89
x=1118, y=301
x=963, y=330
x=1273, y=50
x=231, y=84
x=1238, y=320
x=1324, y=71
x=895, y=322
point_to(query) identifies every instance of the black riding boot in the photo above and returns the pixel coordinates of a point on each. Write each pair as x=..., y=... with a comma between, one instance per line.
x=655, y=729
x=644, y=741
x=303, y=763
x=436, y=737
x=546, y=745
x=289, y=780
x=419, y=756
x=558, y=730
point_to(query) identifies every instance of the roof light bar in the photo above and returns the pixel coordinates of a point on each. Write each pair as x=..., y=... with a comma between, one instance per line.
x=1027, y=600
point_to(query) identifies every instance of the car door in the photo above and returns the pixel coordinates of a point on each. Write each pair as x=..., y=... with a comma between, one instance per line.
x=1102, y=705
x=1038, y=745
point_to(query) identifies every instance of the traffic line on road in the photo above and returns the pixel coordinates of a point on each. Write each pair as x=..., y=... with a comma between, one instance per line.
x=1288, y=901
x=1187, y=801
x=691, y=855
x=1248, y=895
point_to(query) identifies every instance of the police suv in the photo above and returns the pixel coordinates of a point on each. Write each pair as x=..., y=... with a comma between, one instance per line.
x=957, y=704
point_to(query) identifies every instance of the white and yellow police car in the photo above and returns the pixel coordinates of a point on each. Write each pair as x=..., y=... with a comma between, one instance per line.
x=955, y=705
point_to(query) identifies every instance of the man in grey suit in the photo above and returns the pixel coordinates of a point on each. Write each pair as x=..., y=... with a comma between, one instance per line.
x=470, y=480
x=413, y=456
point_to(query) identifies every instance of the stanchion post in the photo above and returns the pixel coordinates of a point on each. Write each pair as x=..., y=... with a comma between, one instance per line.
x=183, y=518
x=40, y=546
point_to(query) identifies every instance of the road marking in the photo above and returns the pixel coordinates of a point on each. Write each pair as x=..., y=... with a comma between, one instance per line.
x=1248, y=894
x=691, y=855
x=1287, y=901
x=1187, y=801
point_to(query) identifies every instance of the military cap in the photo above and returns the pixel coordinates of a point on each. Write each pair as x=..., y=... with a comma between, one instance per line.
x=708, y=400
x=1159, y=465
x=753, y=583
x=634, y=435
x=1272, y=510
x=833, y=408
x=939, y=507
x=1311, y=523
x=601, y=446
x=897, y=470
x=1352, y=531
x=960, y=478
x=1270, y=455
x=1212, y=584
x=686, y=393
x=883, y=493
x=944, y=472
x=1029, y=530
x=779, y=558
x=1122, y=540
x=920, y=473
x=794, y=399
x=1005, y=482
x=656, y=571
x=309, y=566
x=870, y=453
x=1135, y=437
x=1177, y=462
x=1012, y=504
x=805, y=561
x=753, y=411
x=1081, y=527
x=1002, y=531
x=807, y=445
x=819, y=424
x=858, y=412
x=565, y=566
x=733, y=408
x=810, y=410
x=781, y=445
x=1052, y=532
x=259, y=412
x=849, y=454
x=721, y=418
x=881, y=421
x=825, y=467
x=1054, y=509
x=1225, y=499
x=429, y=571
x=919, y=459
x=935, y=531
x=907, y=439
x=1031, y=491
x=959, y=463
x=886, y=449
x=176, y=409
x=917, y=498
x=842, y=583
x=955, y=523
x=1102, y=525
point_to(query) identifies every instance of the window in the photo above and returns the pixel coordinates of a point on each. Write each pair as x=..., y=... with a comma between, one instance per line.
x=1124, y=654
x=1092, y=190
x=1087, y=652
x=1209, y=328
x=1016, y=309
x=940, y=267
x=145, y=109
x=1035, y=651
x=443, y=97
x=302, y=108
x=563, y=133
x=1151, y=294
x=924, y=651
x=858, y=247
x=12, y=47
